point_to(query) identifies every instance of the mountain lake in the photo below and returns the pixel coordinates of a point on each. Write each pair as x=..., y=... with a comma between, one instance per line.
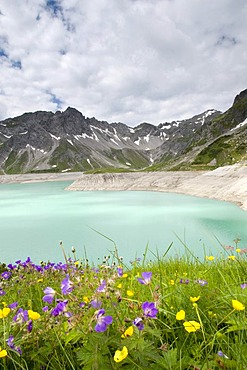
x=35, y=217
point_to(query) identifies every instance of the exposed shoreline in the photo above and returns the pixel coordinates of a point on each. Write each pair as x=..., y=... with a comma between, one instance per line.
x=227, y=183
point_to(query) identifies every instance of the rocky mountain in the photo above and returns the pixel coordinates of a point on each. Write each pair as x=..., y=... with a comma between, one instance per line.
x=68, y=141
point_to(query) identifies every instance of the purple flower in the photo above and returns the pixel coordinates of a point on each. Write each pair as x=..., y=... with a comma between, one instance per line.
x=45, y=309
x=102, y=321
x=10, y=343
x=6, y=275
x=95, y=303
x=102, y=287
x=221, y=354
x=138, y=323
x=66, y=286
x=21, y=316
x=201, y=282
x=13, y=305
x=149, y=309
x=120, y=271
x=49, y=295
x=243, y=286
x=61, y=309
x=184, y=281
x=146, y=278
x=30, y=326
x=2, y=292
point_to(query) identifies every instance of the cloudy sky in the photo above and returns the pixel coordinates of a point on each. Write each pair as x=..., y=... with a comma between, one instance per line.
x=122, y=60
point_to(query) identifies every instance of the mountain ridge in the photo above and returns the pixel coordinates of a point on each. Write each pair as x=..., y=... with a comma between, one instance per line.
x=68, y=141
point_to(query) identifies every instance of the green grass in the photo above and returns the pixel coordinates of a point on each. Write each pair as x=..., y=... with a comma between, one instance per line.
x=202, y=291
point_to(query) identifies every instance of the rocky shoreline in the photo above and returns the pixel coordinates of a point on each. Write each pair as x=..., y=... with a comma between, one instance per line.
x=227, y=183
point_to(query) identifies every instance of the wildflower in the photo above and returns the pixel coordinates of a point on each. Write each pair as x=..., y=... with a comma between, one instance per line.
x=3, y=352
x=128, y=332
x=238, y=250
x=120, y=271
x=21, y=316
x=238, y=306
x=85, y=299
x=171, y=282
x=184, y=281
x=149, y=309
x=232, y=258
x=95, y=303
x=138, y=323
x=130, y=293
x=49, y=295
x=10, y=343
x=124, y=275
x=121, y=355
x=221, y=354
x=209, y=258
x=102, y=321
x=119, y=286
x=146, y=278
x=61, y=309
x=13, y=305
x=201, y=282
x=66, y=286
x=102, y=287
x=33, y=315
x=191, y=326
x=29, y=326
x=194, y=299
x=6, y=275
x=180, y=315
x=243, y=286
x=2, y=292
x=4, y=312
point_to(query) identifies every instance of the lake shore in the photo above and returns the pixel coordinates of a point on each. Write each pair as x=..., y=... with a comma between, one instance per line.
x=227, y=183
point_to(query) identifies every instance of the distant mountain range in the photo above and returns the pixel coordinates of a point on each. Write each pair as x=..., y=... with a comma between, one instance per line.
x=68, y=141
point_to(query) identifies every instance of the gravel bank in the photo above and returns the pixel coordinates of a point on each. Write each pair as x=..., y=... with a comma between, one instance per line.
x=227, y=183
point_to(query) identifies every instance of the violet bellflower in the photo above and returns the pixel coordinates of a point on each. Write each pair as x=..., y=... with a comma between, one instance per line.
x=138, y=323
x=66, y=286
x=6, y=275
x=243, y=286
x=49, y=295
x=102, y=321
x=146, y=278
x=149, y=309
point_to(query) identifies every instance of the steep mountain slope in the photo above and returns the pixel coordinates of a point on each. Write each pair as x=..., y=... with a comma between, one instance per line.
x=68, y=141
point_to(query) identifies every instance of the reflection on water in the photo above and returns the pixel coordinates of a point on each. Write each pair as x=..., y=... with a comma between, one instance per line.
x=35, y=217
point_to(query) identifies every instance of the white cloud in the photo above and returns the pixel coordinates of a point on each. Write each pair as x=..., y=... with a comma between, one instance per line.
x=128, y=60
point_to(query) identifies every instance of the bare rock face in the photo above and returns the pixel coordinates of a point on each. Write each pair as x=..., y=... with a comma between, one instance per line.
x=68, y=141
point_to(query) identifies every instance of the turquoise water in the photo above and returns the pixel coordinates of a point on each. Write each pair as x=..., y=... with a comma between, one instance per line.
x=35, y=217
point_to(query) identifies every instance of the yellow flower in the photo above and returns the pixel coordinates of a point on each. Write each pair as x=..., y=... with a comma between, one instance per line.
x=40, y=280
x=128, y=332
x=171, y=282
x=33, y=315
x=121, y=355
x=124, y=275
x=194, y=299
x=237, y=305
x=210, y=258
x=3, y=352
x=180, y=315
x=231, y=258
x=130, y=293
x=238, y=250
x=85, y=299
x=4, y=312
x=4, y=304
x=119, y=286
x=191, y=326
